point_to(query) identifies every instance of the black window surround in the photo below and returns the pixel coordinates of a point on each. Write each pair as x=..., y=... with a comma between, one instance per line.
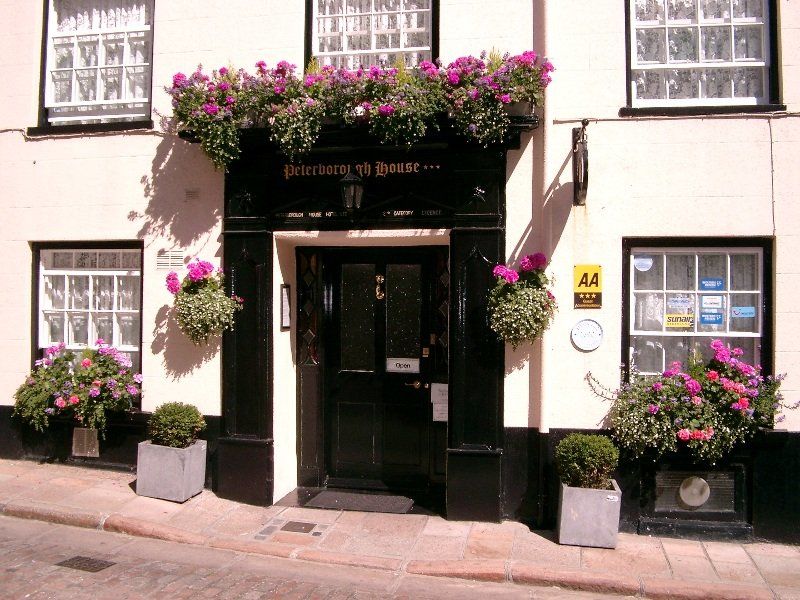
x=309, y=42
x=774, y=104
x=36, y=254
x=45, y=127
x=765, y=244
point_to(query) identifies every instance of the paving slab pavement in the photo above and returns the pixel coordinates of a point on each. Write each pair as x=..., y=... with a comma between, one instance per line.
x=507, y=552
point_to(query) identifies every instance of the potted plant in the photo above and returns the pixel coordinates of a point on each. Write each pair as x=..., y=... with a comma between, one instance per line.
x=171, y=465
x=589, y=500
x=83, y=386
x=520, y=305
x=202, y=308
x=706, y=409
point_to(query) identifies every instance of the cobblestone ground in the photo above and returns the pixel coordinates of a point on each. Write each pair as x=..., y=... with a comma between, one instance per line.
x=30, y=551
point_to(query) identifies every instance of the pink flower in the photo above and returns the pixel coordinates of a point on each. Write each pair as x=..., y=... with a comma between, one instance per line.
x=210, y=108
x=712, y=375
x=74, y=399
x=510, y=275
x=697, y=400
x=652, y=409
x=684, y=434
x=86, y=363
x=533, y=262
x=697, y=434
x=473, y=94
x=504, y=98
x=179, y=80
x=59, y=402
x=223, y=71
x=658, y=386
x=452, y=77
x=385, y=110
x=692, y=386
x=744, y=403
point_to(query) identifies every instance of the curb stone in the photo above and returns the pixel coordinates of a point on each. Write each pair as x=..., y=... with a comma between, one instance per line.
x=497, y=571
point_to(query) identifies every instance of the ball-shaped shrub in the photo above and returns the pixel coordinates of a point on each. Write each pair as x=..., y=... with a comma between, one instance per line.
x=586, y=460
x=175, y=424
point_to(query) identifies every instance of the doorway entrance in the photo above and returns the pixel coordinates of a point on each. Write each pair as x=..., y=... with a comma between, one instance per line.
x=385, y=347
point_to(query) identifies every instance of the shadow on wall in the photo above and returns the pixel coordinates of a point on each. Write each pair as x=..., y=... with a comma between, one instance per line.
x=177, y=210
x=181, y=357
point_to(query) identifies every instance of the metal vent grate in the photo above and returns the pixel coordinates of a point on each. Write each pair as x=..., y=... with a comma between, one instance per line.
x=169, y=259
x=192, y=195
x=84, y=563
x=719, y=493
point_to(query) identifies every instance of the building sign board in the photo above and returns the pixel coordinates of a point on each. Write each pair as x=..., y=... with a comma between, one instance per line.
x=588, y=286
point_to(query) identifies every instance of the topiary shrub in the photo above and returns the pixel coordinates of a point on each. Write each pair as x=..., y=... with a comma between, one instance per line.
x=586, y=460
x=175, y=424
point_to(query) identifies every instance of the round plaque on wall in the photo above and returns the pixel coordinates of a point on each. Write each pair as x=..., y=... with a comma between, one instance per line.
x=586, y=335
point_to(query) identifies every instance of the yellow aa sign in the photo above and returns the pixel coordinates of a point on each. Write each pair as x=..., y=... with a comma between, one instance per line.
x=588, y=286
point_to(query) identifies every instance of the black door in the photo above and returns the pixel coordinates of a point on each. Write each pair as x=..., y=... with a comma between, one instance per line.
x=380, y=361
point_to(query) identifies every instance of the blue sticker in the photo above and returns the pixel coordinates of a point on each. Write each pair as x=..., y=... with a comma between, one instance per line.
x=712, y=284
x=709, y=318
x=743, y=312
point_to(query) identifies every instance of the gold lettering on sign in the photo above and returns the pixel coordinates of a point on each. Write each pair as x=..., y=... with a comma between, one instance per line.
x=363, y=169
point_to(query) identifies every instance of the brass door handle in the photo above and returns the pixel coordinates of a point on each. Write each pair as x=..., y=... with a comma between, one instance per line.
x=379, y=293
x=415, y=384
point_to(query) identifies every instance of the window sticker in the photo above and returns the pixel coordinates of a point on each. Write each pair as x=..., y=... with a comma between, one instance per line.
x=743, y=312
x=710, y=318
x=711, y=301
x=680, y=321
x=402, y=365
x=712, y=283
x=680, y=302
x=643, y=263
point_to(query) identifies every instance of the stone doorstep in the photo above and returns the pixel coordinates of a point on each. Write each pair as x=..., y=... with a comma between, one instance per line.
x=519, y=572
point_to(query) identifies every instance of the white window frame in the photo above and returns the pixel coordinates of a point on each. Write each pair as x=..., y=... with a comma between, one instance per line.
x=352, y=58
x=697, y=294
x=48, y=270
x=698, y=23
x=99, y=110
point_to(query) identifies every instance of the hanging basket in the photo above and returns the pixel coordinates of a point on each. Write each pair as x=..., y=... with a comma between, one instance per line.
x=85, y=442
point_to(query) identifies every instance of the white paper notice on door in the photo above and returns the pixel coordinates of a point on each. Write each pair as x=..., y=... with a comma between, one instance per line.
x=439, y=400
x=402, y=365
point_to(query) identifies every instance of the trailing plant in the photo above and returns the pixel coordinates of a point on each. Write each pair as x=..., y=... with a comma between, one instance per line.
x=175, y=424
x=84, y=386
x=520, y=305
x=586, y=461
x=202, y=308
x=706, y=408
x=398, y=105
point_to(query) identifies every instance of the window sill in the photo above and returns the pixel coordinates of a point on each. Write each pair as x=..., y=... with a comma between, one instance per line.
x=89, y=128
x=688, y=111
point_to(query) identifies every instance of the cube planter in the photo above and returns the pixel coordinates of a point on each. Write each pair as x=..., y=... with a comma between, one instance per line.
x=589, y=517
x=174, y=474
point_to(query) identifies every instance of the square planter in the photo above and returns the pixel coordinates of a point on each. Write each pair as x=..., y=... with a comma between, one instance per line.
x=174, y=474
x=588, y=517
x=85, y=443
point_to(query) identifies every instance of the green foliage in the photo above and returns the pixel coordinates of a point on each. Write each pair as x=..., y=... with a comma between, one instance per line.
x=586, y=461
x=175, y=424
x=84, y=387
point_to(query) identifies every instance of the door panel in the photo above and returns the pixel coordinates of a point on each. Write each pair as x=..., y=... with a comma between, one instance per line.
x=379, y=360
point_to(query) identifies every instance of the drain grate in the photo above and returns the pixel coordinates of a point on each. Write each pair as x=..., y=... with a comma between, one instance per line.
x=84, y=563
x=298, y=527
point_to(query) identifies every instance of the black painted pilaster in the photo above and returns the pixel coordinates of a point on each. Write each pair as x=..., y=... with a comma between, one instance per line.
x=245, y=469
x=476, y=381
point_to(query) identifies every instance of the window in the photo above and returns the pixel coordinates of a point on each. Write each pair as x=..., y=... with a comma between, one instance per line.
x=90, y=294
x=351, y=33
x=699, y=52
x=680, y=299
x=98, y=61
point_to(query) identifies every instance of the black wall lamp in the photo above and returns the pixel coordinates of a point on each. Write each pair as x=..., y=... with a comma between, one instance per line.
x=352, y=189
x=580, y=164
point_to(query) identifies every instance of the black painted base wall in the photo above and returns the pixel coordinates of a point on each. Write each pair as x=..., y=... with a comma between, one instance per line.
x=771, y=490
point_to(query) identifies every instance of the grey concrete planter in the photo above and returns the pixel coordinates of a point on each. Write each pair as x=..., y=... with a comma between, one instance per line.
x=167, y=473
x=588, y=517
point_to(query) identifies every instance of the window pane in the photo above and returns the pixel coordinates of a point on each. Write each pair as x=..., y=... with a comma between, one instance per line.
x=138, y=48
x=651, y=46
x=103, y=328
x=745, y=312
x=127, y=293
x=716, y=43
x=681, y=10
x=680, y=271
x=712, y=272
x=62, y=260
x=114, y=48
x=63, y=49
x=62, y=86
x=744, y=272
x=715, y=9
x=136, y=82
x=54, y=291
x=677, y=349
x=748, y=42
x=717, y=83
x=648, y=312
x=112, y=84
x=748, y=9
x=748, y=83
x=357, y=328
x=78, y=292
x=713, y=313
x=683, y=84
x=128, y=330
x=648, y=272
x=78, y=329
x=104, y=293
x=751, y=347
x=131, y=260
x=108, y=260
x=650, y=11
x=54, y=328
x=647, y=354
x=650, y=85
x=86, y=260
x=403, y=311
x=88, y=51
